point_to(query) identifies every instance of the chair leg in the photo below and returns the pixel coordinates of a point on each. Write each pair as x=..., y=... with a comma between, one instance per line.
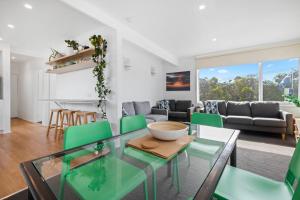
x=69, y=119
x=188, y=157
x=283, y=136
x=85, y=120
x=50, y=123
x=177, y=174
x=56, y=123
x=79, y=119
x=154, y=184
x=73, y=123
x=62, y=121
x=146, y=190
x=94, y=116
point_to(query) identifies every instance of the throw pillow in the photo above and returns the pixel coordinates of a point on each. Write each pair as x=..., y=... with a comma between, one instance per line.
x=211, y=107
x=164, y=105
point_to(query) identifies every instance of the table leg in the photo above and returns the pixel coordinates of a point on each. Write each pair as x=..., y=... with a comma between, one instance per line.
x=233, y=157
x=169, y=169
x=29, y=195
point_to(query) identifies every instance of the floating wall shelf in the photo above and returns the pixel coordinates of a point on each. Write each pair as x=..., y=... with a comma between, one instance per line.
x=72, y=68
x=76, y=57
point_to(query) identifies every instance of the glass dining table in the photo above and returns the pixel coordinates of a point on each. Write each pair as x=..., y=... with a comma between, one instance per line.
x=105, y=170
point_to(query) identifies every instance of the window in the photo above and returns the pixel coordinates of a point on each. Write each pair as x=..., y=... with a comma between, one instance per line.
x=245, y=83
x=236, y=83
x=280, y=78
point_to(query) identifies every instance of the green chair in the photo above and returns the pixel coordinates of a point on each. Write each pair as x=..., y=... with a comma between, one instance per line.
x=243, y=185
x=107, y=177
x=135, y=123
x=132, y=123
x=207, y=119
x=204, y=148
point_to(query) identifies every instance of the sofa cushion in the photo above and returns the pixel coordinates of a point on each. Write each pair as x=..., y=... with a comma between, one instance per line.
x=234, y=119
x=222, y=107
x=265, y=109
x=270, y=122
x=183, y=105
x=157, y=118
x=177, y=114
x=238, y=108
x=128, y=109
x=164, y=105
x=172, y=104
x=142, y=107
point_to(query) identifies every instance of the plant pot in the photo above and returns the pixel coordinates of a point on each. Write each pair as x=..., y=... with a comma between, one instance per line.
x=70, y=51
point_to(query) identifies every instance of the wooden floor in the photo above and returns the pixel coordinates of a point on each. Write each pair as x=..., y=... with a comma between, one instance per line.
x=27, y=141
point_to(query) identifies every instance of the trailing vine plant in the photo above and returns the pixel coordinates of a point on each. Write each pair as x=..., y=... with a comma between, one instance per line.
x=100, y=45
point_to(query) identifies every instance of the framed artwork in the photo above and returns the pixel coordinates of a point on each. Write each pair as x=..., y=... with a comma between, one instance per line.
x=178, y=81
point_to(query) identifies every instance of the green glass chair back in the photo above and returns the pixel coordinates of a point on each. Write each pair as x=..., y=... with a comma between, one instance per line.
x=294, y=168
x=84, y=134
x=132, y=123
x=207, y=119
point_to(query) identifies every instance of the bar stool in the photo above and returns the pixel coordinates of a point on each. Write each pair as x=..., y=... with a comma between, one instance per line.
x=69, y=115
x=85, y=115
x=56, y=125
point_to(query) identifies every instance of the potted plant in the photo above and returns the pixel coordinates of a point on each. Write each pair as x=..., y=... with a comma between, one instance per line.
x=100, y=45
x=55, y=54
x=73, y=46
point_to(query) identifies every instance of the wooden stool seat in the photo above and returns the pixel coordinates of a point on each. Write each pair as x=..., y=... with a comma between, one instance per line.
x=85, y=115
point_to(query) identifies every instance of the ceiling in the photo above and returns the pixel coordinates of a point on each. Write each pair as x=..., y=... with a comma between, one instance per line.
x=178, y=26
x=47, y=25
x=181, y=28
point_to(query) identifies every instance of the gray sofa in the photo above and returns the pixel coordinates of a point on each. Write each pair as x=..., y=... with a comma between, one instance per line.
x=256, y=116
x=179, y=110
x=144, y=108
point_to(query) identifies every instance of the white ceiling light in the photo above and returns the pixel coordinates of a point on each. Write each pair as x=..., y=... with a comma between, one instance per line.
x=202, y=7
x=13, y=58
x=1, y=38
x=28, y=6
x=214, y=39
x=10, y=26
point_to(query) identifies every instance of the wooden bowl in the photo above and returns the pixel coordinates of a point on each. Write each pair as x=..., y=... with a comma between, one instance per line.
x=167, y=130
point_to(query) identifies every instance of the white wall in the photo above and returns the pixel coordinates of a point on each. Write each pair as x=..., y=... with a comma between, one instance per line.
x=137, y=82
x=29, y=82
x=185, y=64
x=5, y=102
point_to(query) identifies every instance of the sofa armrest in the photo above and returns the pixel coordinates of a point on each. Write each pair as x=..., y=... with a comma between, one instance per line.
x=288, y=117
x=190, y=112
x=159, y=111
